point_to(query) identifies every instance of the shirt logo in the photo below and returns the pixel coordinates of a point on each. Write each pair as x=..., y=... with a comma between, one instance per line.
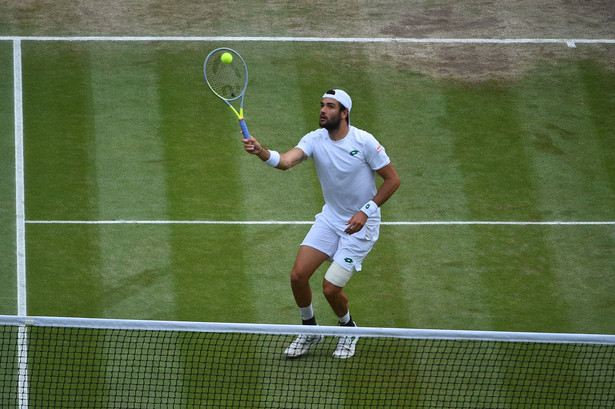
x=352, y=153
x=348, y=260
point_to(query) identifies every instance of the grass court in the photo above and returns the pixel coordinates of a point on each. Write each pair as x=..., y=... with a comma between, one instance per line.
x=479, y=132
x=140, y=203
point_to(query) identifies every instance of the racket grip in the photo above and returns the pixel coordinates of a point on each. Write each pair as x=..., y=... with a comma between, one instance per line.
x=244, y=128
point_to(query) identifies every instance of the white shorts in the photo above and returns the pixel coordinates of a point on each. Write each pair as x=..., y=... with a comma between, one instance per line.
x=348, y=250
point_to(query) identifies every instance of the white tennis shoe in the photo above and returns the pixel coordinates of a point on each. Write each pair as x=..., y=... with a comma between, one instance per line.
x=302, y=344
x=345, y=347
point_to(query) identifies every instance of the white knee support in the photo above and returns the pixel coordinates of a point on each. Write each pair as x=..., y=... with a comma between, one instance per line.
x=338, y=275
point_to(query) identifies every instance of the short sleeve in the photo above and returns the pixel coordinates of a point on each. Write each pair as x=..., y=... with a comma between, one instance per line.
x=305, y=144
x=375, y=154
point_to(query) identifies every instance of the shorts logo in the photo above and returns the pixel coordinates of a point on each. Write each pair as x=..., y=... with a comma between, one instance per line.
x=352, y=153
x=348, y=260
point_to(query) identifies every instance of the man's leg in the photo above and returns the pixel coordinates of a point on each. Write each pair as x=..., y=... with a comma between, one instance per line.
x=333, y=288
x=338, y=300
x=307, y=262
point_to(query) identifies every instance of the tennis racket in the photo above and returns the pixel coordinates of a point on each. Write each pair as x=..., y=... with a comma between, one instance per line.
x=228, y=80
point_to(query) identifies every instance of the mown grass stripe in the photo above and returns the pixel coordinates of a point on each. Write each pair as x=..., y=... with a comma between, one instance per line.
x=273, y=108
x=8, y=216
x=58, y=132
x=436, y=264
x=130, y=180
x=208, y=262
x=599, y=91
x=490, y=146
x=571, y=170
x=599, y=97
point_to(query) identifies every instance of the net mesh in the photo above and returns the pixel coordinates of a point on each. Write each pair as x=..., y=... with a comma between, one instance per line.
x=75, y=367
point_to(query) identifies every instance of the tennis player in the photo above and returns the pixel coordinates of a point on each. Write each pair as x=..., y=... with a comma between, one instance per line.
x=346, y=160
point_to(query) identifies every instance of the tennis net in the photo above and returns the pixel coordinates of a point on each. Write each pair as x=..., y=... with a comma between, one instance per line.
x=48, y=362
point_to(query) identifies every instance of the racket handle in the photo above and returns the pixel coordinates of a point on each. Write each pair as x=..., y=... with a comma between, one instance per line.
x=244, y=128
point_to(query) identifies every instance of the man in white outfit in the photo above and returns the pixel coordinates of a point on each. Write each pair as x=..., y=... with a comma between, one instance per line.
x=346, y=160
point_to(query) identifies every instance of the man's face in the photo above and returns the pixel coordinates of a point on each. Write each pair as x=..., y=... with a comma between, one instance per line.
x=330, y=114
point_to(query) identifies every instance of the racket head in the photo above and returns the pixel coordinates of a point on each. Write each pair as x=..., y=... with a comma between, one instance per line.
x=228, y=81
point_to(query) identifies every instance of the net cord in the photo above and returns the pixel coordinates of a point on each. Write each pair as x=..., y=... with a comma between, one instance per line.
x=99, y=323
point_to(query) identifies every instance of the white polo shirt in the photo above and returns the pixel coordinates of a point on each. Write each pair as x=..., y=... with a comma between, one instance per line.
x=345, y=170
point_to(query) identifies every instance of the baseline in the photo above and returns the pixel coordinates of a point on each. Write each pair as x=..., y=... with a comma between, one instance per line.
x=570, y=42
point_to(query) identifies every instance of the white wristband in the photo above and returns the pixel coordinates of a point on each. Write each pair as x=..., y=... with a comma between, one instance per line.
x=274, y=159
x=370, y=208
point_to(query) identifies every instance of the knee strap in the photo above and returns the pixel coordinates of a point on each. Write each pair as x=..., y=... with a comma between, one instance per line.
x=338, y=275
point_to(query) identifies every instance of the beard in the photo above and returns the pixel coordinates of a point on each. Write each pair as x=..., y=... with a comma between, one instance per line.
x=331, y=123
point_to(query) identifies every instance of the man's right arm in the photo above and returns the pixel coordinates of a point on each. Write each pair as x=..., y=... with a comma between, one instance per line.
x=287, y=159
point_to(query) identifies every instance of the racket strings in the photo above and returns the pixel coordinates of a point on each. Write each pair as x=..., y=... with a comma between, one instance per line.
x=226, y=80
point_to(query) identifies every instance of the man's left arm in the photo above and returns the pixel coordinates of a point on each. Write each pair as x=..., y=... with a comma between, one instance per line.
x=389, y=186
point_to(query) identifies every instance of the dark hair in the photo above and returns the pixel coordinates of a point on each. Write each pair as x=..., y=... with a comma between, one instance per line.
x=342, y=107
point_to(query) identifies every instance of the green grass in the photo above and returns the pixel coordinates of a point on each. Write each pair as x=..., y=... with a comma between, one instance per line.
x=8, y=293
x=132, y=133
x=129, y=131
x=140, y=138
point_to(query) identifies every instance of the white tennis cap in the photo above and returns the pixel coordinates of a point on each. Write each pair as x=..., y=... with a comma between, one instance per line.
x=340, y=96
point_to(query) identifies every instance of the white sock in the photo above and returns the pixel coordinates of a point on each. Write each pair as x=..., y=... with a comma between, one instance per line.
x=345, y=319
x=307, y=312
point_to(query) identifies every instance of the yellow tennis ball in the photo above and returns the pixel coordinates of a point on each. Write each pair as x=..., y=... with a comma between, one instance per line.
x=226, y=58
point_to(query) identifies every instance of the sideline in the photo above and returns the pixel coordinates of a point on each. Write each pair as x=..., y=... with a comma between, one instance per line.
x=20, y=218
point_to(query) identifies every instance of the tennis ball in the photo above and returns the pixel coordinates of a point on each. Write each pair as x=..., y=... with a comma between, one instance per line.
x=226, y=58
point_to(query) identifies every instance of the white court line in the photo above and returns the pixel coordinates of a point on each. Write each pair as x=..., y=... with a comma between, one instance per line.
x=20, y=229
x=302, y=222
x=570, y=42
x=20, y=217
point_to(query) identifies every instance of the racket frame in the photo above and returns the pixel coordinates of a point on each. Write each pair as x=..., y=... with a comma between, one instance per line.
x=240, y=97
